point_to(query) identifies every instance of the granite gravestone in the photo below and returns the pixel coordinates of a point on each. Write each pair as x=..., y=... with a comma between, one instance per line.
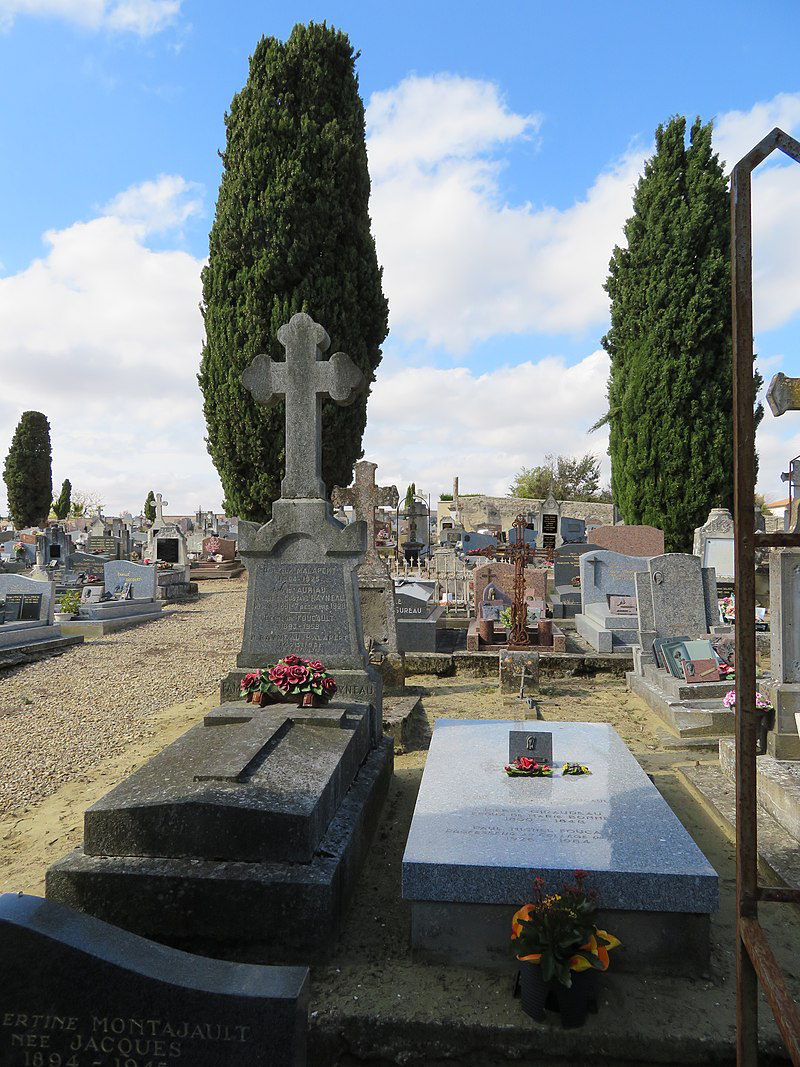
x=245, y=837
x=603, y=575
x=713, y=544
x=783, y=742
x=675, y=594
x=478, y=837
x=142, y=576
x=375, y=585
x=19, y=585
x=302, y=590
x=565, y=598
x=79, y=991
x=630, y=540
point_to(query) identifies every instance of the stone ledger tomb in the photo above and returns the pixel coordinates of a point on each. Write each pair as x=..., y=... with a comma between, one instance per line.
x=478, y=837
x=243, y=839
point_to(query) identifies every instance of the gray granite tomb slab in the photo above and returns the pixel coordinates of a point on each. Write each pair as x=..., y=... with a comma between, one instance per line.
x=479, y=836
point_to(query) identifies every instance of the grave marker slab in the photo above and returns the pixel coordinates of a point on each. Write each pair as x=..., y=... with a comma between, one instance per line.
x=78, y=990
x=143, y=578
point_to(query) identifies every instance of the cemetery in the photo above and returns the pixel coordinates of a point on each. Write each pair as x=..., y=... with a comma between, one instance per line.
x=355, y=773
x=249, y=837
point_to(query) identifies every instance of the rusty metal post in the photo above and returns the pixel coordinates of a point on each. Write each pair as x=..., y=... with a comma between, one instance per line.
x=519, y=609
x=744, y=587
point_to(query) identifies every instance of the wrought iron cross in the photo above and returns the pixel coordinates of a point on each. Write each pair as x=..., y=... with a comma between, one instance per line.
x=520, y=553
x=364, y=495
x=303, y=379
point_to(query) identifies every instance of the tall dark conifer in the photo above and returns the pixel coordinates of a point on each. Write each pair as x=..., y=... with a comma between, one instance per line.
x=61, y=506
x=291, y=233
x=28, y=471
x=670, y=403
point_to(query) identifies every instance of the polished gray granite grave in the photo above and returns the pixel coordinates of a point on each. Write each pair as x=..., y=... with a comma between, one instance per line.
x=479, y=837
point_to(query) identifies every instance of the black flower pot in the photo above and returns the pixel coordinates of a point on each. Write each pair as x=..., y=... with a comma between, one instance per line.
x=765, y=723
x=573, y=1003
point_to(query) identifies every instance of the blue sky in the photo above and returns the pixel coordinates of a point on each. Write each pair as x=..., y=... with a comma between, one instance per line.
x=504, y=146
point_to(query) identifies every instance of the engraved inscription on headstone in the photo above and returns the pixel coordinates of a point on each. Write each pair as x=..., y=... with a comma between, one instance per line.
x=536, y=744
x=560, y=826
x=305, y=603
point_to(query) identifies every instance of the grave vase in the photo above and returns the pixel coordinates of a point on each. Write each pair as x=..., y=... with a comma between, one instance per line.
x=571, y=1003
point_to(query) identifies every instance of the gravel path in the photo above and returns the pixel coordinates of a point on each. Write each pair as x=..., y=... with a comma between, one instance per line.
x=61, y=716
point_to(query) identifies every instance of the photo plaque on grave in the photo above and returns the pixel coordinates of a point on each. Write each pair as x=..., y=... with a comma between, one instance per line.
x=535, y=744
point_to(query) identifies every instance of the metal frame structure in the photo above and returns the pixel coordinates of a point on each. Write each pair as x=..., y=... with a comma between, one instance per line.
x=755, y=962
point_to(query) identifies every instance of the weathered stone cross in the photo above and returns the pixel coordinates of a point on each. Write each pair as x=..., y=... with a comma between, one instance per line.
x=783, y=394
x=364, y=495
x=159, y=512
x=304, y=379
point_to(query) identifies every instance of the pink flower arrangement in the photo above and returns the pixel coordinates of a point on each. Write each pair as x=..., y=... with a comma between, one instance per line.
x=762, y=704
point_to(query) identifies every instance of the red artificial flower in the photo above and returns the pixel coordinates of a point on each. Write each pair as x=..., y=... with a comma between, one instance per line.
x=315, y=665
x=277, y=675
x=292, y=661
x=524, y=763
x=296, y=675
x=328, y=687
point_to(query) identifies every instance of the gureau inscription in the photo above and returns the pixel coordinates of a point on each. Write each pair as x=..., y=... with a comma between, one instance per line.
x=28, y=1039
x=300, y=606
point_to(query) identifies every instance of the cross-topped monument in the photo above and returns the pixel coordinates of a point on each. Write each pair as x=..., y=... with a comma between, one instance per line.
x=160, y=503
x=303, y=380
x=364, y=495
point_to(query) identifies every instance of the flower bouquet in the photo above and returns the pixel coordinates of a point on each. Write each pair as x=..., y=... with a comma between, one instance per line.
x=525, y=767
x=765, y=712
x=292, y=679
x=557, y=940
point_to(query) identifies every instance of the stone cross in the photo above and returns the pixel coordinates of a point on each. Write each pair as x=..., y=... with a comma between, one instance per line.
x=364, y=495
x=783, y=394
x=159, y=513
x=303, y=380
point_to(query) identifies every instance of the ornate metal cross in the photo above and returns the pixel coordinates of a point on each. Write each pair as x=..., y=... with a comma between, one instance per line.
x=520, y=552
x=303, y=379
x=364, y=495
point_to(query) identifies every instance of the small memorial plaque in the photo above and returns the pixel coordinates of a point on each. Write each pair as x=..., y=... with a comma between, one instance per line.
x=31, y=606
x=535, y=744
x=549, y=524
x=13, y=607
x=622, y=605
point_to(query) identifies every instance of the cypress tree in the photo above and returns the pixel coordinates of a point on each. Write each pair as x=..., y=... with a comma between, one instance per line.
x=27, y=471
x=62, y=505
x=150, y=506
x=291, y=233
x=670, y=394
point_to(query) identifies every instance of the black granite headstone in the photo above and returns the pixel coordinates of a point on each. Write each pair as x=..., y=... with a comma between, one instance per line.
x=78, y=991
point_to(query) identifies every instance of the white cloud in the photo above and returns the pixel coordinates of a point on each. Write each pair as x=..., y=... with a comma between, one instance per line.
x=775, y=205
x=103, y=335
x=142, y=17
x=427, y=424
x=460, y=264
